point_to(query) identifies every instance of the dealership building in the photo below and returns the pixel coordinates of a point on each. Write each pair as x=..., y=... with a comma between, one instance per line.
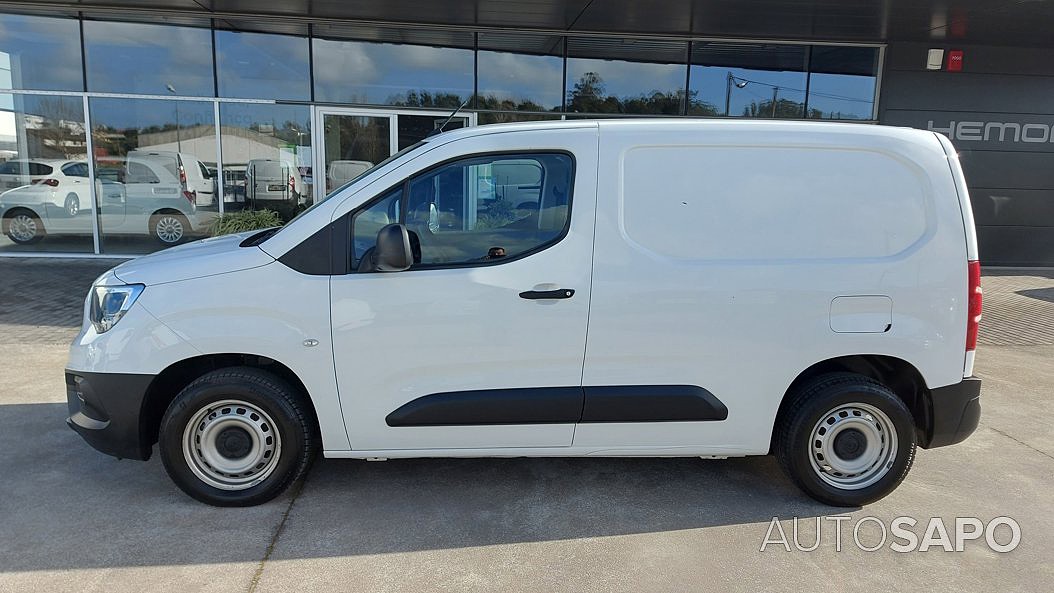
x=126, y=126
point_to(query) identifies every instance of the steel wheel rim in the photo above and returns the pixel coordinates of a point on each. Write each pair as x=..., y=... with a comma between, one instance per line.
x=203, y=453
x=22, y=227
x=880, y=444
x=169, y=229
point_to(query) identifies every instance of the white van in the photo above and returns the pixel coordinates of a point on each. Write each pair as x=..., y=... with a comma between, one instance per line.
x=661, y=288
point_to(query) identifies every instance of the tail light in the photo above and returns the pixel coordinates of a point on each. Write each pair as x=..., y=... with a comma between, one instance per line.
x=973, y=320
x=189, y=195
x=47, y=182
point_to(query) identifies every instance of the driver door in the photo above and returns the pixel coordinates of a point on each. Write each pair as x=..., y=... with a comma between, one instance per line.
x=479, y=344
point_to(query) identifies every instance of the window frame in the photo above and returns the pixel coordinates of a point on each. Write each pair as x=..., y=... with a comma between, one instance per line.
x=404, y=185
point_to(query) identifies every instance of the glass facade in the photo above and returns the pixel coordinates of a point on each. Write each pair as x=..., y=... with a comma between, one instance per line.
x=192, y=119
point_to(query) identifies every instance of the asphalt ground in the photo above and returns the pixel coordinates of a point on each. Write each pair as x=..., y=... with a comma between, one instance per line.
x=72, y=519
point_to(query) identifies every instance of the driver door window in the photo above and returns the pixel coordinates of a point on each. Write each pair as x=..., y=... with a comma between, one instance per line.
x=476, y=210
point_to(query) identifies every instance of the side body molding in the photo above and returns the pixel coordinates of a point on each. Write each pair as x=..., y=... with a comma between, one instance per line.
x=562, y=405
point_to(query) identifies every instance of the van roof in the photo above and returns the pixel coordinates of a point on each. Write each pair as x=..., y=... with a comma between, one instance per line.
x=686, y=123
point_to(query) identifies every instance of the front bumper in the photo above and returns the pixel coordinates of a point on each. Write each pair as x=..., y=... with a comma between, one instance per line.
x=953, y=413
x=105, y=410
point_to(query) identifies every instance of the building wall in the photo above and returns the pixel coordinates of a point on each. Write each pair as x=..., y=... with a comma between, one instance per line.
x=999, y=112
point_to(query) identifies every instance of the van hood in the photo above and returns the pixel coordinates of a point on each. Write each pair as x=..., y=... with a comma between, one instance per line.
x=207, y=257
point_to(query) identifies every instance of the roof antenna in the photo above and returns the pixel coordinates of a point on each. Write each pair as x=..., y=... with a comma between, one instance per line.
x=439, y=130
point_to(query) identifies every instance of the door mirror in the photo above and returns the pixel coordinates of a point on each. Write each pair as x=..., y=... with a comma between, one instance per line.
x=393, y=253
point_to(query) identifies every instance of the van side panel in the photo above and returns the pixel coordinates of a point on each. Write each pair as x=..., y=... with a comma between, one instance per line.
x=721, y=252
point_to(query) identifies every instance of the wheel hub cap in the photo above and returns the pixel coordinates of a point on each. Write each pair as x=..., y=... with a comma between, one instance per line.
x=853, y=446
x=231, y=445
x=23, y=227
x=169, y=229
x=234, y=442
x=850, y=444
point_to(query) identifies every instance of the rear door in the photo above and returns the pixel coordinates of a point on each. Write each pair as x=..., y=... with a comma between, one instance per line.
x=481, y=343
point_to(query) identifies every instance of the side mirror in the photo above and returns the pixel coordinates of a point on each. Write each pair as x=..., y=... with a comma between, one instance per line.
x=393, y=253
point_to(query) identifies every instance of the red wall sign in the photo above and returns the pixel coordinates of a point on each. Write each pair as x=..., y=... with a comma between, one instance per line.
x=955, y=60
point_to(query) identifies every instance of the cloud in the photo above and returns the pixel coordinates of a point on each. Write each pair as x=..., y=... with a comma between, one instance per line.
x=515, y=76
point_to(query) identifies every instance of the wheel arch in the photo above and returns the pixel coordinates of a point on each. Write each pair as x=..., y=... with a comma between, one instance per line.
x=169, y=382
x=169, y=210
x=899, y=375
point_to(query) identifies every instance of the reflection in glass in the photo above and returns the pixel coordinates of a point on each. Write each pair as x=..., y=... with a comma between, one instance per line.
x=148, y=59
x=154, y=161
x=415, y=128
x=649, y=78
x=502, y=117
x=263, y=66
x=45, y=204
x=519, y=72
x=353, y=144
x=266, y=157
x=362, y=72
x=40, y=53
x=748, y=80
x=842, y=82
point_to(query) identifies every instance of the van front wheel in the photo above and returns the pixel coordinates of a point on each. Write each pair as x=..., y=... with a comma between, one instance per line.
x=845, y=439
x=237, y=437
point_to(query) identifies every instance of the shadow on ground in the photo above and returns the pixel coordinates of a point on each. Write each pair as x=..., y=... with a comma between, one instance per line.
x=67, y=506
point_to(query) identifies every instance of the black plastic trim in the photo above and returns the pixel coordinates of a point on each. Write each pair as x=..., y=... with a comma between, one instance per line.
x=559, y=293
x=104, y=408
x=954, y=411
x=651, y=403
x=319, y=255
x=562, y=405
x=540, y=405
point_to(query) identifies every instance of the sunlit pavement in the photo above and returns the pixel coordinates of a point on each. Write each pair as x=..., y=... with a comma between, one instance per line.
x=74, y=519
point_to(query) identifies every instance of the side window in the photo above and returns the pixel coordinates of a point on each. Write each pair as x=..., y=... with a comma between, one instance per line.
x=487, y=208
x=40, y=169
x=140, y=173
x=366, y=223
x=476, y=210
x=75, y=170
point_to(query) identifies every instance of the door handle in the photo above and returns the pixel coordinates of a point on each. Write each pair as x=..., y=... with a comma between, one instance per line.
x=559, y=293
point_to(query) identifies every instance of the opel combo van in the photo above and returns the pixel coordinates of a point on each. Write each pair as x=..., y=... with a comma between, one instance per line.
x=569, y=288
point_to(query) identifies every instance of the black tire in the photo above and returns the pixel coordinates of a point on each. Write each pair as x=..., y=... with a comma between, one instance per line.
x=160, y=232
x=293, y=419
x=23, y=227
x=72, y=205
x=809, y=406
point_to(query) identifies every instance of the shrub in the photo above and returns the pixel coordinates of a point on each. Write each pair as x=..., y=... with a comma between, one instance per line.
x=245, y=220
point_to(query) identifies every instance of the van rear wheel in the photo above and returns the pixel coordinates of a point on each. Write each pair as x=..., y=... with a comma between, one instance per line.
x=845, y=439
x=168, y=227
x=237, y=437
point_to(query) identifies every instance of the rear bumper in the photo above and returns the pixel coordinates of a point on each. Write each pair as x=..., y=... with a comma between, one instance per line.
x=104, y=409
x=953, y=413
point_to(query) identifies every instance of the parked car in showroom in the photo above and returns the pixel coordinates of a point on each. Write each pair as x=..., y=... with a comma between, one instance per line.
x=666, y=288
x=138, y=195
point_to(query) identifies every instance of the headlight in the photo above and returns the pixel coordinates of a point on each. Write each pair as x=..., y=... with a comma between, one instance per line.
x=110, y=303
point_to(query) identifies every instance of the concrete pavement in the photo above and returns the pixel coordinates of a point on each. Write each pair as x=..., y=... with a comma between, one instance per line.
x=72, y=519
